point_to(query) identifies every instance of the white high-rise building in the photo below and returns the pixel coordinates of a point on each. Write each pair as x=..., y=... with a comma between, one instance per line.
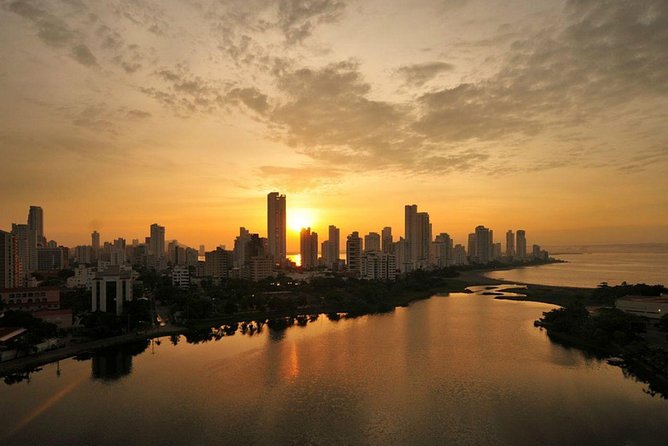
x=276, y=226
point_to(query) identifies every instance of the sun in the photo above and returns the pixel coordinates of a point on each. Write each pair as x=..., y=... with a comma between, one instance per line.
x=300, y=218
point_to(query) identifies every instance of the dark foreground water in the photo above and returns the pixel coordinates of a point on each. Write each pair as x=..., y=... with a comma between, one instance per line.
x=462, y=369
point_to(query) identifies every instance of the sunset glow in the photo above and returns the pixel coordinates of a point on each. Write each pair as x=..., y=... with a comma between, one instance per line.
x=300, y=218
x=481, y=112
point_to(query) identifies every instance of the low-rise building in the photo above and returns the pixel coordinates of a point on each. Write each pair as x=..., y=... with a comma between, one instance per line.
x=653, y=307
x=31, y=299
x=111, y=288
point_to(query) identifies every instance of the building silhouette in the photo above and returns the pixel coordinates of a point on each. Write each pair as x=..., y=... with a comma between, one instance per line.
x=354, y=253
x=308, y=248
x=276, y=226
x=510, y=243
x=521, y=242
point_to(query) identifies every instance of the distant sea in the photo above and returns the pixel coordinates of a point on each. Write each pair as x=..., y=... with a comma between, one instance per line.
x=588, y=266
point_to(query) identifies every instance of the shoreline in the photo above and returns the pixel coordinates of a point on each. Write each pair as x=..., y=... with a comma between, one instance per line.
x=533, y=293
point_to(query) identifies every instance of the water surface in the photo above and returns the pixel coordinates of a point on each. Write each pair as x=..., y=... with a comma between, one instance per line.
x=588, y=270
x=458, y=369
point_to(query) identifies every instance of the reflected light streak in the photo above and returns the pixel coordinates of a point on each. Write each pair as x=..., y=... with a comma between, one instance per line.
x=47, y=404
x=293, y=364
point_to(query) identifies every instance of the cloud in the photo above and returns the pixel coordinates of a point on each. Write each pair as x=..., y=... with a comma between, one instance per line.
x=83, y=55
x=185, y=92
x=419, y=74
x=138, y=114
x=298, y=18
x=608, y=55
x=54, y=31
x=328, y=115
x=251, y=98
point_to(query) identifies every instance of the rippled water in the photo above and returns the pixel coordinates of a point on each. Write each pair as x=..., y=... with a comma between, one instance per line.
x=458, y=369
x=589, y=270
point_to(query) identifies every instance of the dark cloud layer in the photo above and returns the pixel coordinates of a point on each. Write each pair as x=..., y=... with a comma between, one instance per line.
x=609, y=54
x=419, y=74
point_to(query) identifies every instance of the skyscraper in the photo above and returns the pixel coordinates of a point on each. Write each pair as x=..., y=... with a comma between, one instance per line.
x=372, y=242
x=26, y=252
x=157, y=247
x=510, y=243
x=418, y=235
x=308, y=248
x=276, y=227
x=442, y=250
x=36, y=223
x=471, y=247
x=410, y=212
x=386, y=239
x=331, y=252
x=354, y=253
x=521, y=244
x=10, y=269
x=95, y=244
x=483, y=243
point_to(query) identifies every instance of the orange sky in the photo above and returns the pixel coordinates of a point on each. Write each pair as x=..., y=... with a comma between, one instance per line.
x=548, y=116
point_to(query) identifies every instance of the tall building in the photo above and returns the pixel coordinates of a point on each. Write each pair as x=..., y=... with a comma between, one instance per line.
x=95, y=245
x=471, y=248
x=442, y=251
x=483, y=244
x=386, y=240
x=354, y=253
x=27, y=252
x=10, y=263
x=276, y=226
x=308, y=248
x=372, y=242
x=36, y=223
x=521, y=244
x=157, y=245
x=459, y=255
x=410, y=215
x=510, y=243
x=331, y=251
x=402, y=252
x=240, y=245
x=418, y=236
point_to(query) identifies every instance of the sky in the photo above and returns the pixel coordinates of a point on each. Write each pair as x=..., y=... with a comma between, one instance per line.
x=548, y=116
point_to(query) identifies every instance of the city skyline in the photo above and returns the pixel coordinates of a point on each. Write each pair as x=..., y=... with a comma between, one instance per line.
x=548, y=115
x=417, y=227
